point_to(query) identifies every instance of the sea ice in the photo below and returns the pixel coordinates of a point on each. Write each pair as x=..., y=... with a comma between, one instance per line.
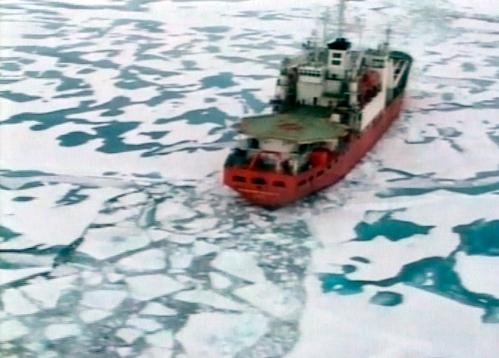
x=103, y=299
x=210, y=299
x=180, y=259
x=157, y=309
x=15, y=303
x=332, y=324
x=153, y=259
x=240, y=264
x=12, y=329
x=163, y=339
x=12, y=275
x=219, y=281
x=214, y=335
x=479, y=273
x=61, y=330
x=147, y=287
x=94, y=315
x=108, y=242
x=144, y=324
x=129, y=335
x=271, y=299
x=201, y=248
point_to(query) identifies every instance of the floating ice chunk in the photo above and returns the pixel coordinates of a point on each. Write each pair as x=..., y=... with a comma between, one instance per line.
x=157, y=309
x=14, y=302
x=61, y=330
x=168, y=211
x=129, y=335
x=133, y=199
x=209, y=298
x=92, y=278
x=12, y=329
x=157, y=234
x=479, y=273
x=46, y=292
x=203, y=248
x=111, y=241
x=63, y=270
x=219, y=281
x=124, y=351
x=111, y=274
x=181, y=239
x=271, y=299
x=214, y=335
x=103, y=299
x=162, y=339
x=144, y=324
x=147, y=287
x=8, y=276
x=153, y=259
x=202, y=224
x=180, y=259
x=240, y=264
x=94, y=315
x=156, y=352
x=23, y=259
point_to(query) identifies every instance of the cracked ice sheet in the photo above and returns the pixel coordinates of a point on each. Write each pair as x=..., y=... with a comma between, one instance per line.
x=215, y=335
x=388, y=257
x=479, y=273
x=395, y=153
x=104, y=243
x=178, y=165
x=349, y=326
x=148, y=287
x=44, y=215
x=240, y=264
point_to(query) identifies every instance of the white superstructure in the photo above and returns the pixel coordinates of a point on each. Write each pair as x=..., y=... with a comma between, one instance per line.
x=355, y=84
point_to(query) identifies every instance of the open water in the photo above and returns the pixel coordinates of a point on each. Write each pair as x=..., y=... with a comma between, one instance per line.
x=117, y=238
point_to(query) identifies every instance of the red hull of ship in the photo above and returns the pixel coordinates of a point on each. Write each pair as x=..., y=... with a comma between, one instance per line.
x=282, y=189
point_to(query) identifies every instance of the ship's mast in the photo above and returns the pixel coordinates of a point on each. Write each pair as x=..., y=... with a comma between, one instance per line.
x=388, y=33
x=325, y=25
x=341, y=18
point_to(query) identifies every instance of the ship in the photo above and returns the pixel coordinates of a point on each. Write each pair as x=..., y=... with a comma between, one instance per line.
x=332, y=104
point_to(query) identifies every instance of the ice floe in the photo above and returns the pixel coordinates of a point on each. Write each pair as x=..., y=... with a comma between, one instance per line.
x=239, y=264
x=103, y=299
x=61, y=330
x=153, y=259
x=129, y=335
x=112, y=241
x=12, y=329
x=332, y=324
x=479, y=273
x=147, y=287
x=271, y=299
x=221, y=335
x=157, y=309
x=209, y=298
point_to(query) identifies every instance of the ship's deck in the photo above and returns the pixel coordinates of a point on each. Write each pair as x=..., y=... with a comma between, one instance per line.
x=305, y=124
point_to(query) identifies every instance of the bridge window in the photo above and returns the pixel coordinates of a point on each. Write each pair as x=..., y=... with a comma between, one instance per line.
x=336, y=62
x=239, y=179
